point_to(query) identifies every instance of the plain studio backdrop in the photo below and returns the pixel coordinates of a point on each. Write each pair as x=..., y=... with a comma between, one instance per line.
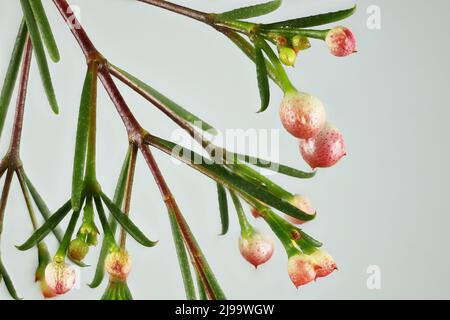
x=383, y=211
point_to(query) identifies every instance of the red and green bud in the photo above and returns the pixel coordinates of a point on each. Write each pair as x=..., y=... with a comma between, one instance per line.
x=255, y=213
x=302, y=203
x=325, y=149
x=302, y=114
x=78, y=249
x=60, y=277
x=341, y=41
x=118, y=265
x=300, y=43
x=288, y=56
x=44, y=259
x=325, y=264
x=256, y=248
x=301, y=269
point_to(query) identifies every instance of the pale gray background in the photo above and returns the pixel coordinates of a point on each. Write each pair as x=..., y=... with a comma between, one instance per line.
x=386, y=204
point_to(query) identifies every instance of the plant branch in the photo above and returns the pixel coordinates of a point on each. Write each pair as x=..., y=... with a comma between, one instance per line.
x=188, y=12
x=14, y=146
x=77, y=30
x=197, y=257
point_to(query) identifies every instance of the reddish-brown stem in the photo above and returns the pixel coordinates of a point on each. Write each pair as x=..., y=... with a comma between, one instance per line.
x=77, y=30
x=134, y=129
x=14, y=146
x=128, y=191
x=194, y=14
x=172, y=206
x=152, y=100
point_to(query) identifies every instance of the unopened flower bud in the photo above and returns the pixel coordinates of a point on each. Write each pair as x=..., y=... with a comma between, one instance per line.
x=325, y=264
x=301, y=269
x=60, y=277
x=256, y=248
x=303, y=204
x=325, y=149
x=287, y=56
x=300, y=43
x=302, y=114
x=78, y=249
x=341, y=41
x=118, y=265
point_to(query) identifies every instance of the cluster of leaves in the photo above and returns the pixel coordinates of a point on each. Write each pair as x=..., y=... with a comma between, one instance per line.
x=237, y=176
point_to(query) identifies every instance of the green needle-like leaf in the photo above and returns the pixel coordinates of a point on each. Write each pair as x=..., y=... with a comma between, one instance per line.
x=182, y=258
x=312, y=21
x=174, y=107
x=126, y=223
x=250, y=11
x=201, y=289
x=277, y=167
x=263, y=79
x=46, y=30
x=104, y=221
x=223, y=208
x=8, y=282
x=39, y=52
x=79, y=162
x=11, y=73
x=119, y=195
x=42, y=207
x=227, y=178
x=47, y=227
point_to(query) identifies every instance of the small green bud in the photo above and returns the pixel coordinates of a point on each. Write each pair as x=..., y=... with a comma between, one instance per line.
x=300, y=43
x=78, y=249
x=287, y=56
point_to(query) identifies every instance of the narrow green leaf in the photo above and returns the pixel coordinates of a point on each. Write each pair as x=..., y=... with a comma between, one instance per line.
x=209, y=275
x=182, y=258
x=47, y=227
x=174, y=107
x=42, y=207
x=11, y=73
x=250, y=11
x=276, y=167
x=223, y=208
x=201, y=289
x=119, y=194
x=8, y=282
x=104, y=221
x=312, y=21
x=263, y=79
x=79, y=162
x=227, y=178
x=64, y=245
x=126, y=223
x=40, y=55
x=44, y=27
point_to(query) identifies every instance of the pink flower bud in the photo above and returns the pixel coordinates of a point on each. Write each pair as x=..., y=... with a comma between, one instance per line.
x=47, y=292
x=324, y=150
x=302, y=115
x=118, y=265
x=301, y=269
x=324, y=263
x=60, y=277
x=341, y=41
x=256, y=248
x=302, y=203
